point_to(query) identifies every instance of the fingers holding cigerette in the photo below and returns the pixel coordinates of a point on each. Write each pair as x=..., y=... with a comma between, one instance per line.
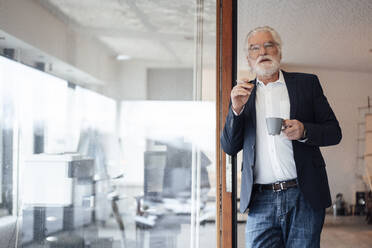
x=244, y=84
x=240, y=95
x=242, y=89
x=240, y=92
x=242, y=80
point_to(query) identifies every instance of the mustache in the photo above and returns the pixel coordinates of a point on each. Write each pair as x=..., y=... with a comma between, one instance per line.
x=269, y=68
x=264, y=57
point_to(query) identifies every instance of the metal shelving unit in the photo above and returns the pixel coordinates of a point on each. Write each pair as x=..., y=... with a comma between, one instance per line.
x=363, y=171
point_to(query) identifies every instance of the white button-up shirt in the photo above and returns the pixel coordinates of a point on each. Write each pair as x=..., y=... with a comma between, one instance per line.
x=274, y=154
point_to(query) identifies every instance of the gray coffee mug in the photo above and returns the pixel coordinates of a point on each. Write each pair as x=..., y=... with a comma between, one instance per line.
x=274, y=125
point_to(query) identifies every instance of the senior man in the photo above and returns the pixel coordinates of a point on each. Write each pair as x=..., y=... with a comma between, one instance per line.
x=284, y=183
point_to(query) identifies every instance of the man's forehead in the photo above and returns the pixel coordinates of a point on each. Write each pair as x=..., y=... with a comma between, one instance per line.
x=260, y=36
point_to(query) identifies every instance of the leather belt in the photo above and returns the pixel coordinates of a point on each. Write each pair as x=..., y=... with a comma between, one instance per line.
x=276, y=187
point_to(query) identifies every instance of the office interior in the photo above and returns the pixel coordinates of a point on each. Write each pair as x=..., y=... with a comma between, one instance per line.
x=108, y=117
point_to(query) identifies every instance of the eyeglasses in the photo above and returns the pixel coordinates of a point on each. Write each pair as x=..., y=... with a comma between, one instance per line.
x=268, y=46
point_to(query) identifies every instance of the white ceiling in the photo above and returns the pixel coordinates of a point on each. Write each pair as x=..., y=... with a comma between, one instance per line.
x=334, y=34
x=158, y=31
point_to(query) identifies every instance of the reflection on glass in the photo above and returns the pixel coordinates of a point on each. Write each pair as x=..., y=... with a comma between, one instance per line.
x=7, y=184
x=81, y=169
x=160, y=139
x=73, y=193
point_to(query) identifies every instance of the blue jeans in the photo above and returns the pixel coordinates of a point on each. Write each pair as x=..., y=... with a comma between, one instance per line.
x=282, y=219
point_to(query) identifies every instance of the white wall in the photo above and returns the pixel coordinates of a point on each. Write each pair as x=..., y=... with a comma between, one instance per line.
x=166, y=84
x=345, y=91
x=170, y=84
x=133, y=81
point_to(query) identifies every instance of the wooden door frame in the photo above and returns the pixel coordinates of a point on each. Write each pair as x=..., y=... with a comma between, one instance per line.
x=226, y=62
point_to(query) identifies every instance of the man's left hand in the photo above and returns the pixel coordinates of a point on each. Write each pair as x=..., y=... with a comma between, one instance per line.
x=294, y=129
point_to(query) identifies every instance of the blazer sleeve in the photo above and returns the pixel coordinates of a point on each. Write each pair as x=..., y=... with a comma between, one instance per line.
x=325, y=129
x=232, y=137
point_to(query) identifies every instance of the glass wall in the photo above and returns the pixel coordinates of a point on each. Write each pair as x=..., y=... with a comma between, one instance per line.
x=126, y=161
x=54, y=163
x=169, y=167
x=7, y=117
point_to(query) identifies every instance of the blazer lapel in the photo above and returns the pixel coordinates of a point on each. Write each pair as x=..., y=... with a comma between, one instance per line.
x=252, y=103
x=292, y=90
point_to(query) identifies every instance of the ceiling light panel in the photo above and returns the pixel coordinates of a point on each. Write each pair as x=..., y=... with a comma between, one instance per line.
x=138, y=49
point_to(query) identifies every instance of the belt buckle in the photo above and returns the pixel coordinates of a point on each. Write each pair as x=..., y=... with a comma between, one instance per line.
x=281, y=186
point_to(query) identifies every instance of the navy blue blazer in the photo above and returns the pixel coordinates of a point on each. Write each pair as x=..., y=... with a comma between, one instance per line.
x=308, y=105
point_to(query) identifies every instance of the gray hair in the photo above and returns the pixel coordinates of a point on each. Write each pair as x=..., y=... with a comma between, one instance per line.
x=272, y=31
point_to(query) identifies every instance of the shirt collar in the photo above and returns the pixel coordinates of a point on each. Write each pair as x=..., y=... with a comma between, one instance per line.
x=279, y=81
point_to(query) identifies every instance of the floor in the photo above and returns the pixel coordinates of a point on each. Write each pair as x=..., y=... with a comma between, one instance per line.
x=346, y=232
x=338, y=232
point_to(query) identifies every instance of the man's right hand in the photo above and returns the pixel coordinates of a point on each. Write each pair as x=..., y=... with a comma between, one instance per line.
x=240, y=94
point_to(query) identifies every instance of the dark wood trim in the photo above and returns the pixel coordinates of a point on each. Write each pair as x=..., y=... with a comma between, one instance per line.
x=234, y=73
x=226, y=72
x=218, y=127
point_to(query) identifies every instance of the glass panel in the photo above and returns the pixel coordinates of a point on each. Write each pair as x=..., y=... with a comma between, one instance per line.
x=7, y=106
x=161, y=141
x=9, y=182
x=111, y=141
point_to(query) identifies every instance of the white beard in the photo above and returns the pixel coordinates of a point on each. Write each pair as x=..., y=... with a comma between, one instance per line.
x=268, y=68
